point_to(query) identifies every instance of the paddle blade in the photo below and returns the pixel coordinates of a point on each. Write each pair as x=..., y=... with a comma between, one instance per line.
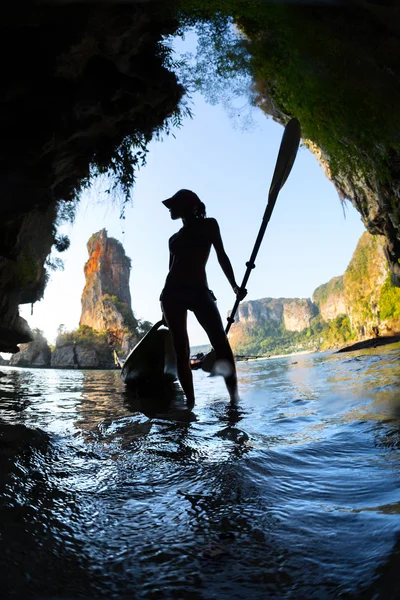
x=286, y=156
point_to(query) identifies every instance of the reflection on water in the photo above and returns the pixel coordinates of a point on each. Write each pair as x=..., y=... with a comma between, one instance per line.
x=293, y=493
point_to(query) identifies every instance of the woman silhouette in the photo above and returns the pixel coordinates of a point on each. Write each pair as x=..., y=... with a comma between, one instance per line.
x=186, y=288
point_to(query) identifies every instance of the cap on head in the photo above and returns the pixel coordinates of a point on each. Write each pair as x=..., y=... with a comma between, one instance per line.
x=183, y=197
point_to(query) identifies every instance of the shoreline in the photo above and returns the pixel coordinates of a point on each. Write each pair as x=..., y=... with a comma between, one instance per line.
x=364, y=344
x=361, y=345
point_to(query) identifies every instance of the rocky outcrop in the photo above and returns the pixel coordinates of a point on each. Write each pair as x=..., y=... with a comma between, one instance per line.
x=258, y=320
x=254, y=311
x=297, y=313
x=82, y=84
x=106, y=298
x=76, y=356
x=34, y=354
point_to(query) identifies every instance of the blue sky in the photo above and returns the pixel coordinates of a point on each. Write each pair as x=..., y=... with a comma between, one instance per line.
x=308, y=240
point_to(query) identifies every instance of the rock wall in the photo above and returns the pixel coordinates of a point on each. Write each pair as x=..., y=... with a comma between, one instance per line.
x=36, y=353
x=24, y=246
x=372, y=302
x=330, y=299
x=265, y=309
x=256, y=319
x=79, y=356
x=295, y=313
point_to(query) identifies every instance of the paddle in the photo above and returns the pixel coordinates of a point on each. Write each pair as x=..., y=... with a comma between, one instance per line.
x=284, y=163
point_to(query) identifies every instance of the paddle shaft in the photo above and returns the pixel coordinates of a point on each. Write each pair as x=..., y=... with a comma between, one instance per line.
x=286, y=157
x=284, y=163
x=250, y=264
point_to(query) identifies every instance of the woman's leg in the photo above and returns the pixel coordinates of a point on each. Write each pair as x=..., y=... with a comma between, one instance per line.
x=176, y=318
x=208, y=316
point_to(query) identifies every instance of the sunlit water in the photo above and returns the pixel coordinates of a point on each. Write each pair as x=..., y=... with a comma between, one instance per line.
x=293, y=494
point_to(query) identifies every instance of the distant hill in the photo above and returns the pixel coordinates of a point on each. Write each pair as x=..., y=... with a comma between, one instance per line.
x=360, y=304
x=202, y=348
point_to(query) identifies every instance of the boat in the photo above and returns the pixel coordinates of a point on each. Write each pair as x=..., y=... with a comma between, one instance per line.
x=152, y=361
x=196, y=360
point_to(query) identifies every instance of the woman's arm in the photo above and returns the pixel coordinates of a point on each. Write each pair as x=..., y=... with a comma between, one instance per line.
x=223, y=258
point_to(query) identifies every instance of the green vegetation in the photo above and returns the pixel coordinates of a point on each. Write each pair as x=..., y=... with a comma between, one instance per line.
x=337, y=332
x=361, y=277
x=389, y=301
x=27, y=269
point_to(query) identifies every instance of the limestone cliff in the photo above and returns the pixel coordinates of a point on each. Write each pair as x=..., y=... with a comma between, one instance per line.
x=36, y=353
x=295, y=313
x=360, y=304
x=372, y=301
x=106, y=298
x=330, y=299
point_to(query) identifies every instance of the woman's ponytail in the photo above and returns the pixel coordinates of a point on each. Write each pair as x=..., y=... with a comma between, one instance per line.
x=200, y=211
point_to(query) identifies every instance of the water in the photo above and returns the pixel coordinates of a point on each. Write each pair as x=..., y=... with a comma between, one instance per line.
x=292, y=494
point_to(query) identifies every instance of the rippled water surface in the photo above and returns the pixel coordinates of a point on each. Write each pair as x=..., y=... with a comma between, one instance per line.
x=292, y=494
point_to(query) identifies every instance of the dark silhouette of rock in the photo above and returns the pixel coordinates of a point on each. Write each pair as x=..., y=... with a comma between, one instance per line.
x=82, y=84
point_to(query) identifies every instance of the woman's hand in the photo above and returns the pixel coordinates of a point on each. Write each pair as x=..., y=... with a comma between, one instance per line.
x=240, y=292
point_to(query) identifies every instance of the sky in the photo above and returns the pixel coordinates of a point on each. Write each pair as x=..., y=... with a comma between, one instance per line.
x=310, y=237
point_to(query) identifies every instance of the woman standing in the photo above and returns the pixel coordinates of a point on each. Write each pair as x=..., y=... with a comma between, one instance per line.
x=186, y=287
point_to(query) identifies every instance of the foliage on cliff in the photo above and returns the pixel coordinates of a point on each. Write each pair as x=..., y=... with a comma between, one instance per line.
x=389, y=301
